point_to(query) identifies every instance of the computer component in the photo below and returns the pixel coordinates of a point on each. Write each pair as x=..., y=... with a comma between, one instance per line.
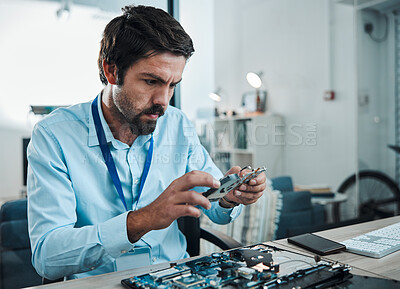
x=258, y=266
x=231, y=182
x=377, y=243
x=316, y=244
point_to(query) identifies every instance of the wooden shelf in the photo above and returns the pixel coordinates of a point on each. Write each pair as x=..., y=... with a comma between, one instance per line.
x=233, y=140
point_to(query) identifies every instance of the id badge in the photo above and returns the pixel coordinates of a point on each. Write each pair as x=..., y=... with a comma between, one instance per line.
x=135, y=258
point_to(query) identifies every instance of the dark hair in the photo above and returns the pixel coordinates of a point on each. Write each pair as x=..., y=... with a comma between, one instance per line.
x=141, y=31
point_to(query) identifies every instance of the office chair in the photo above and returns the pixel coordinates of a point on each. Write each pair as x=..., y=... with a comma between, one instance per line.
x=282, y=183
x=15, y=252
x=190, y=227
x=297, y=209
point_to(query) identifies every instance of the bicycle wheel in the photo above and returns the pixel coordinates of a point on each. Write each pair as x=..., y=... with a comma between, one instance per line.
x=378, y=195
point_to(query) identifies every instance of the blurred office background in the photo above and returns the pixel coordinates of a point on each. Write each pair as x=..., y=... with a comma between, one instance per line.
x=329, y=70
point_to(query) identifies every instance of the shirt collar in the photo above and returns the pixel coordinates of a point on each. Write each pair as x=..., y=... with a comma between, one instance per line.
x=92, y=138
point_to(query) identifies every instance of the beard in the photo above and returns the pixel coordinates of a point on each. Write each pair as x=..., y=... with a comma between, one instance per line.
x=125, y=110
x=144, y=127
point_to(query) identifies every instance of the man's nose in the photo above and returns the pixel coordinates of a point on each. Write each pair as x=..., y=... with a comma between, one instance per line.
x=163, y=96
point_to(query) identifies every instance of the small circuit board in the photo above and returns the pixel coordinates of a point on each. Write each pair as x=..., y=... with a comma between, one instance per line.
x=258, y=266
x=232, y=182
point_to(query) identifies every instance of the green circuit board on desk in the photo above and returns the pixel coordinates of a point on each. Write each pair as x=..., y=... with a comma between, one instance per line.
x=258, y=266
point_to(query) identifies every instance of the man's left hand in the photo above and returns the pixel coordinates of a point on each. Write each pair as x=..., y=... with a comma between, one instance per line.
x=247, y=193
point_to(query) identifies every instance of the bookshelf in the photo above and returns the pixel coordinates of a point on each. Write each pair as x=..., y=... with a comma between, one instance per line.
x=256, y=140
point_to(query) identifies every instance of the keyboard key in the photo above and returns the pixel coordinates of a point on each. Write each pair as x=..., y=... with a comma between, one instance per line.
x=376, y=243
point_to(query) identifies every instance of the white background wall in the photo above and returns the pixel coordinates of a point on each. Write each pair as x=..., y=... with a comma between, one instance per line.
x=45, y=61
x=197, y=18
x=301, y=52
x=48, y=61
x=290, y=41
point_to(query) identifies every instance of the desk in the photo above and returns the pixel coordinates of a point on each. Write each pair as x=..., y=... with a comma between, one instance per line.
x=386, y=267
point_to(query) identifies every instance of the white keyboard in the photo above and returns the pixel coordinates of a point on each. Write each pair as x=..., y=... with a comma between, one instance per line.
x=376, y=243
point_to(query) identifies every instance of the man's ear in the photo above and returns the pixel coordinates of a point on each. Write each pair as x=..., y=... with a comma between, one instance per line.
x=110, y=71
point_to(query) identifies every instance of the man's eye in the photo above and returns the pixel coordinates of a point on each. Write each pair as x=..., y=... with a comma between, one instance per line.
x=172, y=85
x=150, y=81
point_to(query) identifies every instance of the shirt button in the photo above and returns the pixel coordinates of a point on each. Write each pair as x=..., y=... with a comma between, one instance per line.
x=123, y=251
x=136, y=181
x=92, y=268
x=154, y=259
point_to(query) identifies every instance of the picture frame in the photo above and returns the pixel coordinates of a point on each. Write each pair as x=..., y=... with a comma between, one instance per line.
x=250, y=103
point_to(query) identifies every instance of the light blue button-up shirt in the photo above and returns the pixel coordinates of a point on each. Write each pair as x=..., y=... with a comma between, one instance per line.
x=77, y=222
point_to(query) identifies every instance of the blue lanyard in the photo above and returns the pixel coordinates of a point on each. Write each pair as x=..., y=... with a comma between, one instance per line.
x=105, y=150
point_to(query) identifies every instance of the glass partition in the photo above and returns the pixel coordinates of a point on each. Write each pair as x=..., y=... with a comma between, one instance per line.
x=375, y=190
x=302, y=120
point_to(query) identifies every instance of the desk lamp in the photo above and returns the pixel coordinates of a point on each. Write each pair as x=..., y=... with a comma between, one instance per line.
x=216, y=96
x=254, y=79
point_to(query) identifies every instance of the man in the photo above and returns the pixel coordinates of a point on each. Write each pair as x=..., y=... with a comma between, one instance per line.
x=108, y=178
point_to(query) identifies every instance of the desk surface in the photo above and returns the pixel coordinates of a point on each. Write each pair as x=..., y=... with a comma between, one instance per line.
x=387, y=266
x=384, y=267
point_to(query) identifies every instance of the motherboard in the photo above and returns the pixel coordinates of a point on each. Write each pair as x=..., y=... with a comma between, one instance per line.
x=258, y=266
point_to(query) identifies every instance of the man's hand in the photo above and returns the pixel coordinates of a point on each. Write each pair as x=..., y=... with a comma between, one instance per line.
x=247, y=193
x=176, y=201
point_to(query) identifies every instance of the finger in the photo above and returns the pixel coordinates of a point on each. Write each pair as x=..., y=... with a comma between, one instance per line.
x=233, y=170
x=231, y=196
x=195, y=179
x=234, y=196
x=261, y=178
x=192, y=198
x=188, y=210
x=252, y=189
x=244, y=172
x=196, y=198
x=249, y=198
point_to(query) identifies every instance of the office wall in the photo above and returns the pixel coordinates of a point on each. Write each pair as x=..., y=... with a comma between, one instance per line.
x=287, y=39
x=39, y=71
x=197, y=18
x=304, y=47
x=45, y=61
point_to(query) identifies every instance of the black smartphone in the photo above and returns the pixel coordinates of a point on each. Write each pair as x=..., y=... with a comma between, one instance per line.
x=316, y=244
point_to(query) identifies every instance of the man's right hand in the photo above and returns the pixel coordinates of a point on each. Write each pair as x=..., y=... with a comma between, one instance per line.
x=176, y=201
